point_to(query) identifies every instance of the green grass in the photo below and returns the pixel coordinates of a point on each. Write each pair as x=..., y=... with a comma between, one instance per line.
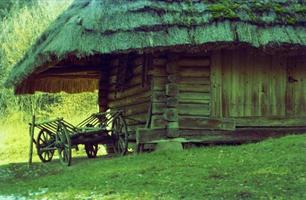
x=273, y=169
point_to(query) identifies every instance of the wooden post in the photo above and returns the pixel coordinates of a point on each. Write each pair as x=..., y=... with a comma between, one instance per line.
x=103, y=92
x=172, y=92
x=216, y=85
x=31, y=140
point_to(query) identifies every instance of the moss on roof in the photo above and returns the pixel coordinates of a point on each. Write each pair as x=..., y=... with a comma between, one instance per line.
x=111, y=26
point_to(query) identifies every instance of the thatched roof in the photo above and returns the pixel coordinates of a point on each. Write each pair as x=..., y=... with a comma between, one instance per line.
x=93, y=27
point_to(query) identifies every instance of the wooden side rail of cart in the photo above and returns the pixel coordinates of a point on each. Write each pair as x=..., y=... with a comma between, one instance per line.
x=99, y=128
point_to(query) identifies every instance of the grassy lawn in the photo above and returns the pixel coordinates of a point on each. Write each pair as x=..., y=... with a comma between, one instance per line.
x=273, y=169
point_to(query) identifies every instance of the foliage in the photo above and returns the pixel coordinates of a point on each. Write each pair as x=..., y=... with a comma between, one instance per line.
x=273, y=169
x=23, y=22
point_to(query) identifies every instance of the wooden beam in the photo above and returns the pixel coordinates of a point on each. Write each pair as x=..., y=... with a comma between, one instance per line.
x=71, y=69
x=183, y=87
x=194, y=96
x=191, y=72
x=132, y=100
x=127, y=92
x=135, y=109
x=158, y=121
x=238, y=135
x=216, y=85
x=159, y=97
x=201, y=123
x=194, y=80
x=271, y=122
x=158, y=108
x=32, y=126
x=144, y=135
x=194, y=62
x=194, y=109
x=69, y=76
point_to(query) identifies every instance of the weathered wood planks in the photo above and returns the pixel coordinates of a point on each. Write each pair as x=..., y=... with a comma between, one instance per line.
x=248, y=82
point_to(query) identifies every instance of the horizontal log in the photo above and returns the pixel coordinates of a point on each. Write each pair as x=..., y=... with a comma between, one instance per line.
x=158, y=121
x=139, y=60
x=136, y=80
x=194, y=109
x=200, y=123
x=194, y=80
x=172, y=68
x=127, y=92
x=155, y=60
x=147, y=135
x=194, y=62
x=158, y=83
x=132, y=114
x=271, y=122
x=135, y=123
x=238, y=135
x=194, y=72
x=172, y=89
x=159, y=62
x=195, y=101
x=159, y=97
x=136, y=69
x=158, y=108
x=135, y=109
x=158, y=71
x=138, y=119
x=194, y=96
x=193, y=88
x=133, y=128
x=132, y=100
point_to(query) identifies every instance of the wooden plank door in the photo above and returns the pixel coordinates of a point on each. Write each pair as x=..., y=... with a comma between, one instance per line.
x=296, y=87
x=248, y=83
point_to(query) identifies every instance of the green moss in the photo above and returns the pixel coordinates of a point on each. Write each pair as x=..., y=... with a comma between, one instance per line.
x=290, y=20
x=301, y=9
x=278, y=9
x=217, y=7
x=224, y=10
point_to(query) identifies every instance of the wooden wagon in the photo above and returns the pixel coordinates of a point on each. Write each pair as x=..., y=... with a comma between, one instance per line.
x=100, y=128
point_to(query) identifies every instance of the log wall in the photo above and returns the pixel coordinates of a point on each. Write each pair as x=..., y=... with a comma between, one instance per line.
x=135, y=98
x=194, y=90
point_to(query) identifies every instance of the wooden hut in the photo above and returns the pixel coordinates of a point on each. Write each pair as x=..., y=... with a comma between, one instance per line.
x=202, y=71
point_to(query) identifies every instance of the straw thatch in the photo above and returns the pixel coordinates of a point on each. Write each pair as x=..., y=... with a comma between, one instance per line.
x=91, y=27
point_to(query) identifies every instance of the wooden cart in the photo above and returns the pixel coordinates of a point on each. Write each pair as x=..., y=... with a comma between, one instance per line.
x=100, y=128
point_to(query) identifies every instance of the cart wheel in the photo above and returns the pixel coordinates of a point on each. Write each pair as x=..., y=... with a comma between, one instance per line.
x=120, y=135
x=44, y=145
x=91, y=150
x=63, y=145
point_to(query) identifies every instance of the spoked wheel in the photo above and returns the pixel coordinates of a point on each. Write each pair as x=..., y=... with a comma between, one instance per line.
x=45, y=145
x=63, y=145
x=120, y=135
x=91, y=150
